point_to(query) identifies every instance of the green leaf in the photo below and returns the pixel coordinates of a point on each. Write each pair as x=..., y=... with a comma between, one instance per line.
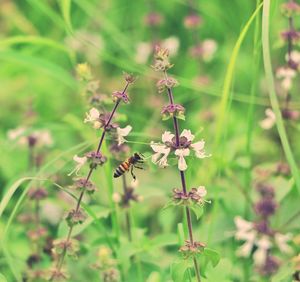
x=212, y=256
x=198, y=210
x=168, y=205
x=179, y=270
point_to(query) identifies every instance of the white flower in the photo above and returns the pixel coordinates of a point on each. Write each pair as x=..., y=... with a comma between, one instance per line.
x=43, y=137
x=244, y=227
x=172, y=44
x=260, y=255
x=116, y=197
x=183, y=150
x=80, y=162
x=161, y=154
x=143, y=52
x=281, y=241
x=93, y=117
x=246, y=233
x=269, y=121
x=181, y=153
x=201, y=191
x=209, y=47
x=295, y=57
x=14, y=134
x=121, y=133
x=286, y=75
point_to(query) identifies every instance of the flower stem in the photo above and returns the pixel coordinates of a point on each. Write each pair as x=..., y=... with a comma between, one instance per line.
x=63, y=255
x=128, y=223
x=183, y=184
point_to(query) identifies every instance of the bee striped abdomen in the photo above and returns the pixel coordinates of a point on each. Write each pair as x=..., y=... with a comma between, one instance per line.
x=121, y=169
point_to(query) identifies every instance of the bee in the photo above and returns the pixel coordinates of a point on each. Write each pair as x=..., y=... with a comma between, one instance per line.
x=129, y=164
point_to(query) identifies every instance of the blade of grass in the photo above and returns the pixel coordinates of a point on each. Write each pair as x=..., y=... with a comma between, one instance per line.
x=36, y=40
x=272, y=93
x=229, y=77
x=65, y=6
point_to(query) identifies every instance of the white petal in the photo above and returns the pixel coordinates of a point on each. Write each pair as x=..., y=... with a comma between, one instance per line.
x=181, y=153
x=167, y=136
x=122, y=132
x=187, y=134
x=281, y=241
x=242, y=224
x=201, y=191
x=15, y=133
x=198, y=147
x=92, y=115
x=269, y=121
x=158, y=148
x=259, y=257
x=161, y=154
x=245, y=249
x=80, y=162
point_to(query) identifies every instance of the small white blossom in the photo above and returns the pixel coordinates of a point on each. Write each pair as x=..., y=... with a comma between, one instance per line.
x=209, y=47
x=201, y=191
x=80, y=162
x=43, y=137
x=281, y=241
x=93, y=117
x=123, y=132
x=14, y=134
x=286, y=75
x=269, y=121
x=116, y=197
x=172, y=44
x=263, y=245
x=295, y=57
x=143, y=52
x=181, y=153
x=246, y=232
x=160, y=157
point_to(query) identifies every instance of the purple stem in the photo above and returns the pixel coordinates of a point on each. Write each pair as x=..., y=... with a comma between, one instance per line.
x=63, y=255
x=183, y=183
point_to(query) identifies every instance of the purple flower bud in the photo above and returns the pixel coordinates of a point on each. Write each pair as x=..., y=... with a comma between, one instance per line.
x=265, y=190
x=129, y=78
x=166, y=83
x=95, y=158
x=37, y=193
x=173, y=110
x=263, y=227
x=37, y=234
x=119, y=95
x=190, y=250
x=270, y=266
x=290, y=114
x=153, y=19
x=290, y=9
x=192, y=21
x=82, y=184
x=290, y=34
x=266, y=207
x=76, y=217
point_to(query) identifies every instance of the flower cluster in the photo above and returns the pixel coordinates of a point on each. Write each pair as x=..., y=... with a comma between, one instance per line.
x=191, y=250
x=129, y=195
x=259, y=235
x=194, y=197
x=76, y=216
x=180, y=150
